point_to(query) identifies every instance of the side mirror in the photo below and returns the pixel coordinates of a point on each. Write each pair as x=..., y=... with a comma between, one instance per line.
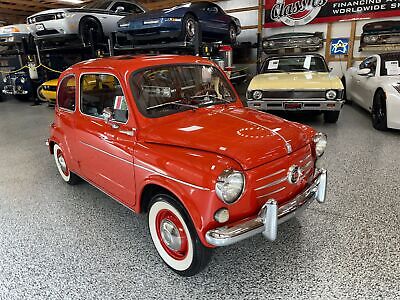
x=364, y=72
x=330, y=69
x=120, y=9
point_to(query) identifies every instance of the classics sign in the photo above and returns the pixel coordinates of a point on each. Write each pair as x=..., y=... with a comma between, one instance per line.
x=301, y=12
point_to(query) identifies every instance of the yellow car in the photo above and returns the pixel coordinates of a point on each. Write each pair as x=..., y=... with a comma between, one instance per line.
x=297, y=83
x=47, y=91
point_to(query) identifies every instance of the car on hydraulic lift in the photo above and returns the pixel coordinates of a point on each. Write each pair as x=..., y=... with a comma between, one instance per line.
x=93, y=21
x=180, y=23
x=380, y=36
x=300, y=82
x=172, y=139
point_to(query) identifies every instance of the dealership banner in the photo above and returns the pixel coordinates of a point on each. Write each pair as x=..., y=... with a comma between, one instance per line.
x=301, y=12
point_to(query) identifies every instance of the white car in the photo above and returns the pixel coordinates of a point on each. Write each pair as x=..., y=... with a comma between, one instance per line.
x=100, y=17
x=13, y=33
x=375, y=86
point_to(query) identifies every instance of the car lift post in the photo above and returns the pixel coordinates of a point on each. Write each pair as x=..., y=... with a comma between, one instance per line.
x=111, y=43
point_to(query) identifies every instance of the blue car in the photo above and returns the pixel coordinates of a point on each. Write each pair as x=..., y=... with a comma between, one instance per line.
x=179, y=23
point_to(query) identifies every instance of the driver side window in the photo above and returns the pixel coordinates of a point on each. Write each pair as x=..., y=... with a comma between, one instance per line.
x=128, y=8
x=100, y=91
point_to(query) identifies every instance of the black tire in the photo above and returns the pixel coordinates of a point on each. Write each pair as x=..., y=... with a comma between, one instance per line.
x=331, y=116
x=185, y=261
x=379, y=112
x=232, y=34
x=87, y=25
x=67, y=175
x=189, y=27
x=348, y=101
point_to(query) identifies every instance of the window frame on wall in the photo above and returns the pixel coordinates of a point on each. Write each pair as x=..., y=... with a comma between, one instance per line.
x=67, y=77
x=96, y=117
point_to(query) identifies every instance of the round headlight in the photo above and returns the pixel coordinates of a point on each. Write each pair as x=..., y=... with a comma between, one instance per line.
x=320, y=141
x=229, y=186
x=22, y=80
x=257, y=95
x=331, y=95
x=5, y=79
x=271, y=43
x=309, y=41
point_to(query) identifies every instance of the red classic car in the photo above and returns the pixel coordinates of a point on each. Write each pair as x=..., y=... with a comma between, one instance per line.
x=169, y=136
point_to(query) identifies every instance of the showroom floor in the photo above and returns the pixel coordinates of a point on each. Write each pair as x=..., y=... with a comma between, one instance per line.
x=59, y=241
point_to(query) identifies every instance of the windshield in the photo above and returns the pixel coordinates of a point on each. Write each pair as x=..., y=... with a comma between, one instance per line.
x=295, y=64
x=98, y=5
x=165, y=90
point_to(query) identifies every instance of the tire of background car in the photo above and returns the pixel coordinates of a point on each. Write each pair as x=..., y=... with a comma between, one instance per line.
x=189, y=28
x=331, y=116
x=174, y=236
x=348, y=101
x=232, y=34
x=379, y=112
x=62, y=167
x=23, y=97
x=85, y=26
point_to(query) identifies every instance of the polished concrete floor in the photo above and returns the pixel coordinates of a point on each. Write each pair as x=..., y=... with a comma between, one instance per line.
x=63, y=242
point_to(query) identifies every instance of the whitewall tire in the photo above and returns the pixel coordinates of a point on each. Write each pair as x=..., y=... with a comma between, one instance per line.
x=62, y=166
x=174, y=237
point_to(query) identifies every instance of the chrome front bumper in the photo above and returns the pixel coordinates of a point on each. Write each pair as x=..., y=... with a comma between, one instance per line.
x=303, y=105
x=270, y=216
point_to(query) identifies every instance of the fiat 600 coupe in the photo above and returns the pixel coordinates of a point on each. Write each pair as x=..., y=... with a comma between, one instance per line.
x=297, y=83
x=171, y=138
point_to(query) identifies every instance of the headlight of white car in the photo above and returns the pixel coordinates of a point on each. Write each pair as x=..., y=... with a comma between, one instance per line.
x=229, y=186
x=320, y=141
x=331, y=95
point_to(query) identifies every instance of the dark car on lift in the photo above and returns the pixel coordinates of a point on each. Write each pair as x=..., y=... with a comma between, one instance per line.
x=180, y=22
x=378, y=35
x=304, y=41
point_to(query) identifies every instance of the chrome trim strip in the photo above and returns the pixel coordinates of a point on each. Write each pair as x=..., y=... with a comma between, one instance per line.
x=305, y=158
x=271, y=175
x=276, y=182
x=107, y=153
x=172, y=178
x=273, y=192
x=307, y=165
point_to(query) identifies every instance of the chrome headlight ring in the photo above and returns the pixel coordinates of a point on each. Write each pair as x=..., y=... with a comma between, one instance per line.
x=230, y=186
x=257, y=95
x=320, y=141
x=331, y=95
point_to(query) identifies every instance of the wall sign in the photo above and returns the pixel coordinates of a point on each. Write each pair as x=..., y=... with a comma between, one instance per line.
x=301, y=12
x=339, y=46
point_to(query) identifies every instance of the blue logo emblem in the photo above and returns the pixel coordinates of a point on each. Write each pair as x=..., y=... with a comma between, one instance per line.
x=339, y=46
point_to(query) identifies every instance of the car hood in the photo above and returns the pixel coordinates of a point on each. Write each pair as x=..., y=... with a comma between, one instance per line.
x=250, y=137
x=295, y=80
x=156, y=14
x=51, y=11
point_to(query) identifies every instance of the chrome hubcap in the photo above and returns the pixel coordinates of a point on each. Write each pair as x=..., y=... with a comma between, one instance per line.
x=170, y=235
x=62, y=163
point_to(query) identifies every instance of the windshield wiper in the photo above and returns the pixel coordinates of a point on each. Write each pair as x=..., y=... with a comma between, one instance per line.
x=210, y=96
x=177, y=103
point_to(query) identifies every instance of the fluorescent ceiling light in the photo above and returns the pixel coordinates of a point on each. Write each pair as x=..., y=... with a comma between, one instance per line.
x=72, y=1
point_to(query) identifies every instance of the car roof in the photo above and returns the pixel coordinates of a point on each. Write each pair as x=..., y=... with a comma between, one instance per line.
x=131, y=63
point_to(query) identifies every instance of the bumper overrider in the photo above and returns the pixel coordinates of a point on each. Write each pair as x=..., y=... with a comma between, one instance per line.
x=271, y=215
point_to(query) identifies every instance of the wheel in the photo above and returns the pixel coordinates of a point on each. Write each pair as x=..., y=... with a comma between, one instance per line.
x=62, y=167
x=90, y=26
x=232, y=34
x=379, y=114
x=189, y=28
x=331, y=116
x=175, y=238
x=40, y=95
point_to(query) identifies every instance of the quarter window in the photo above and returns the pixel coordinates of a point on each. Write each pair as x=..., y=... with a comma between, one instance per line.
x=100, y=91
x=66, y=93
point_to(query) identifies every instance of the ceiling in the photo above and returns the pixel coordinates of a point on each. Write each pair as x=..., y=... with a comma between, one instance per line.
x=16, y=11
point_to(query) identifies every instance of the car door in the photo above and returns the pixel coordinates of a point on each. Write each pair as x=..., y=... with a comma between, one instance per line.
x=355, y=82
x=366, y=83
x=106, y=145
x=213, y=20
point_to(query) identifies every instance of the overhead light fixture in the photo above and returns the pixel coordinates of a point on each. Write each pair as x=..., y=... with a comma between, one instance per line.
x=72, y=1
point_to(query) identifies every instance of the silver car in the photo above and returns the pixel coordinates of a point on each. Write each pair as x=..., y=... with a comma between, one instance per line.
x=98, y=17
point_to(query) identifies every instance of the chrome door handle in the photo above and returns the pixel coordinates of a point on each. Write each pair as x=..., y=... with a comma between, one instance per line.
x=128, y=132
